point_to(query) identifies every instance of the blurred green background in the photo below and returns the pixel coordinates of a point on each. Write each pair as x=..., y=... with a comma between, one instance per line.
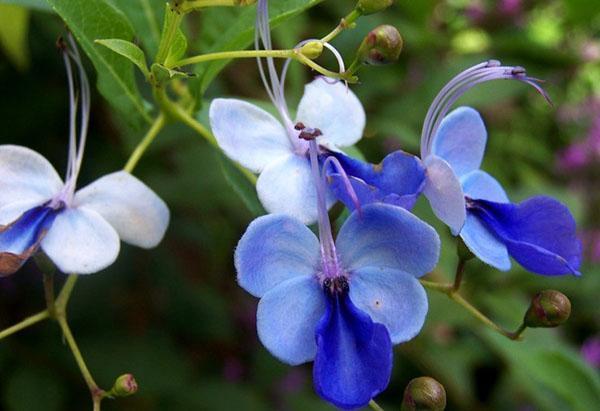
x=175, y=317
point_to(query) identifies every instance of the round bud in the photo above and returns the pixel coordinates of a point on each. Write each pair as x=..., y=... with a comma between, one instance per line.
x=382, y=45
x=312, y=49
x=124, y=386
x=424, y=394
x=548, y=308
x=373, y=6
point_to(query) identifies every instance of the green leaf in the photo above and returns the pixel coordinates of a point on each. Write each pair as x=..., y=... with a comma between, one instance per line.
x=30, y=4
x=14, y=26
x=234, y=30
x=96, y=19
x=146, y=18
x=128, y=50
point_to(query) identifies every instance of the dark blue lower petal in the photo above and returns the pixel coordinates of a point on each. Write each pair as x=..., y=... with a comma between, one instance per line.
x=399, y=180
x=354, y=355
x=20, y=239
x=539, y=233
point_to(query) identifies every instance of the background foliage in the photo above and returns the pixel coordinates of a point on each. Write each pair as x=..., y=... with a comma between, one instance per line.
x=175, y=317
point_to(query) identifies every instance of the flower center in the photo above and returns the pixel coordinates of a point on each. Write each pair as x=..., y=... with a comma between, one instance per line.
x=336, y=285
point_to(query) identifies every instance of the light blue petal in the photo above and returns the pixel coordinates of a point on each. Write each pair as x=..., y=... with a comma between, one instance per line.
x=479, y=185
x=287, y=187
x=131, y=207
x=335, y=110
x=247, y=133
x=388, y=237
x=26, y=175
x=460, y=140
x=484, y=244
x=287, y=319
x=81, y=241
x=390, y=297
x=445, y=195
x=275, y=248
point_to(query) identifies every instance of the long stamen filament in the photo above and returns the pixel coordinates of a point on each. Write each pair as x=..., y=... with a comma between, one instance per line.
x=331, y=160
x=459, y=85
x=330, y=263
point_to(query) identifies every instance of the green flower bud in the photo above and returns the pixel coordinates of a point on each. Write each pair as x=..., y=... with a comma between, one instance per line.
x=373, y=6
x=124, y=386
x=424, y=394
x=382, y=45
x=312, y=49
x=548, y=308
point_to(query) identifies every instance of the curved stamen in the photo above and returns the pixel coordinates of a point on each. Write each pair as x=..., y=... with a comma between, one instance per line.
x=331, y=160
x=328, y=252
x=480, y=73
x=76, y=143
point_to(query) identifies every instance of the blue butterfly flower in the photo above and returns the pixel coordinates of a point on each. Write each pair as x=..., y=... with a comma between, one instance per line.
x=539, y=233
x=342, y=306
x=80, y=231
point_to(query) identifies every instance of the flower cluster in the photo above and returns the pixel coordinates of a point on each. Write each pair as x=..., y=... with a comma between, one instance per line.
x=342, y=303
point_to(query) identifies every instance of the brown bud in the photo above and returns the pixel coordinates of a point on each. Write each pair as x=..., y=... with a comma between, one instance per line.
x=382, y=45
x=549, y=308
x=424, y=394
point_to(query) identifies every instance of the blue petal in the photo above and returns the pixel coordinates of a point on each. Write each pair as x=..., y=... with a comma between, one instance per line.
x=19, y=240
x=354, y=355
x=287, y=318
x=479, y=185
x=484, y=244
x=390, y=297
x=274, y=249
x=539, y=233
x=460, y=140
x=397, y=180
x=387, y=237
x=445, y=195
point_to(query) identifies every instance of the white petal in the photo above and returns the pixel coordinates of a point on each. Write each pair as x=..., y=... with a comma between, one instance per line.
x=81, y=242
x=247, y=133
x=12, y=211
x=443, y=190
x=333, y=109
x=136, y=212
x=287, y=187
x=26, y=175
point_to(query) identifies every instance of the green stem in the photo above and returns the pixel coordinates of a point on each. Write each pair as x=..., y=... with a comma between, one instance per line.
x=49, y=294
x=223, y=55
x=27, y=322
x=141, y=148
x=65, y=294
x=190, y=6
x=177, y=112
x=375, y=406
x=85, y=372
x=458, y=276
x=454, y=296
x=341, y=76
x=344, y=24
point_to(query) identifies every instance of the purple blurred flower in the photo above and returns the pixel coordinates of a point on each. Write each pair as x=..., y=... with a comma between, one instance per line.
x=590, y=351
x=582, y=153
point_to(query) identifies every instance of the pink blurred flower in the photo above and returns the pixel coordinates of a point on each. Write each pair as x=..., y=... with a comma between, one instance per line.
x=590, y=351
